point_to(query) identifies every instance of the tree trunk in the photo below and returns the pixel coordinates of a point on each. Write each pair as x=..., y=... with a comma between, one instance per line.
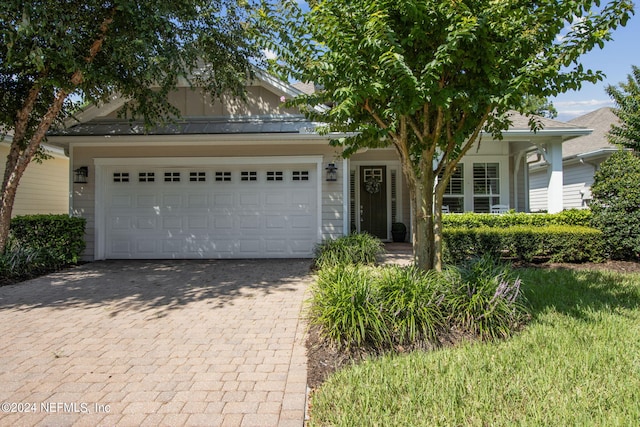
x=423, y=227
x=18, y=158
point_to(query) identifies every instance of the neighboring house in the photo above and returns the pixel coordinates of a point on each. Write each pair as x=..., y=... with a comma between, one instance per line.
x=581, y=157
x=44, y=187
x=245, y=180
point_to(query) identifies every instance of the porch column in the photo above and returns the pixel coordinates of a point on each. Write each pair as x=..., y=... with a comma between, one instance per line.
x=346, y=196
x=555, y=178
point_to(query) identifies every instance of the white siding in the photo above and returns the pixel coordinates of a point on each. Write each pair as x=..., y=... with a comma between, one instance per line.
x=578, y=179
x=538, y=191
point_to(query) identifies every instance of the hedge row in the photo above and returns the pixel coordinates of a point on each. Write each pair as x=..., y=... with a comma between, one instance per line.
x=575, y=217
x=554, y=243
x=42, y=243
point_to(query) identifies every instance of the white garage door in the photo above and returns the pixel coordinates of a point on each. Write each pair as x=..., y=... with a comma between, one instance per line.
x=252, y=211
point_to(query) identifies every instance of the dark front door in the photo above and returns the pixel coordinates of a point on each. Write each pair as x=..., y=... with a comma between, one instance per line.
x=373, y=200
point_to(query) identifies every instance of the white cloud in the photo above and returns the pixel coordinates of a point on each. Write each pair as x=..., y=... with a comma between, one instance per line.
x=570, y=109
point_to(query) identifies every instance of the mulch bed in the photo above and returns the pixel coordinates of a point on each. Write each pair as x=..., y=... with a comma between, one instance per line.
x=323, y=360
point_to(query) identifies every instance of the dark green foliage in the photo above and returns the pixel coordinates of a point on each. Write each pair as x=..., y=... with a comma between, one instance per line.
x=359, y=248
x=412, y=300
x=616, y=204
x=627, y=99
x=344, y=305
x=554, y=243
x=42, y=243
x=580, y=217
x=381, y=308
x=485, y=298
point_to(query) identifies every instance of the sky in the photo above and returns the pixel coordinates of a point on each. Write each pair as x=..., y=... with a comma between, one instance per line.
x=615, y=60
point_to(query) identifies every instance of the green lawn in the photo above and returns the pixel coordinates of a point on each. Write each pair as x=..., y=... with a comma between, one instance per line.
x=577, y=363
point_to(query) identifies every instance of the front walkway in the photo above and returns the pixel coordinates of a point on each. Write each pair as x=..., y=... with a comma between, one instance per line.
x=156, y=343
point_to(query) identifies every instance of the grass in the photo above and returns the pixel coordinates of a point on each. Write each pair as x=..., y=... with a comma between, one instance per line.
x=576, y=363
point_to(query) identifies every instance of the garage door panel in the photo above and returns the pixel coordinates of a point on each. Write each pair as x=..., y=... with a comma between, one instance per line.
x=276, y=222
x=197, y=201
x=211, y=214
x=223, y=222
x=121, y=201
x=250, y=200
x=172, y=222
x=172, y=201
x=146, y=201
x=120, y=223
x=197, y=222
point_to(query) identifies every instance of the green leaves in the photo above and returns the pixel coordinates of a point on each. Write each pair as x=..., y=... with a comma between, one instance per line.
x=627, y=99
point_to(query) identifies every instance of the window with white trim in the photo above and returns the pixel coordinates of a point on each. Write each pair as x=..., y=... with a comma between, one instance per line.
x=172, y=177
x=197, y=176
x=454, y=193
x=300, y=176
x=121, y=177
x=223, y=176
x=146, y=177
x=248, y=176
x=275, y=176
x=486, y=186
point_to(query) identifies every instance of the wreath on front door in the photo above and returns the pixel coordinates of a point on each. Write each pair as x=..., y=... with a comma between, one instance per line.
x=372, y=185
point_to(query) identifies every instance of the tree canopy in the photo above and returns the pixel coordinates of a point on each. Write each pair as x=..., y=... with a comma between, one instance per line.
x=54, y=53
x=627, y=99
x=429, y=76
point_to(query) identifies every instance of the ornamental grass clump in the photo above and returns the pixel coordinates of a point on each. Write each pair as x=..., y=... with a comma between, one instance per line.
x=413, y=302
x=359, y=248
x=345, y=307
x=485, y=298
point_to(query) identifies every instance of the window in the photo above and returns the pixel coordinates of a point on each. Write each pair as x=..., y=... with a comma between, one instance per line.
x=275, y=176
x=197, y=176
x=248, y=176
x=300, y=176
x=172, y=177
x=223, y=176
x=486, y=186
x=146, y=177
x=121, y=177
x=454, y=193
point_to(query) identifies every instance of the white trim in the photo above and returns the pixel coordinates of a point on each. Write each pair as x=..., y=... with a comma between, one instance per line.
x=346, y=194
x=100, y=182
x=205, y=161
x=195, y=139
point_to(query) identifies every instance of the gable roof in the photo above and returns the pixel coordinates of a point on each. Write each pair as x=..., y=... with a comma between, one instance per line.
x=600, y=121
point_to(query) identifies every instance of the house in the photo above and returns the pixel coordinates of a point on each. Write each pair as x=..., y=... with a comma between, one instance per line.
x=44, y=187
x=254, y=179
x=581, y=157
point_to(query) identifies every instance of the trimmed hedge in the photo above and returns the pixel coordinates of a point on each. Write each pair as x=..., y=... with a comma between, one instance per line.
x=575, y=217
x=555, y=243
x=42, y=243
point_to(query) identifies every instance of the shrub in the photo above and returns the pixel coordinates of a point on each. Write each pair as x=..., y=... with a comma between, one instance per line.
x=525, y=243
x=575, y=217
x=383, y=307
x=42, y=243
x=359, y=248
x=485, y=298
x=344, y=306
x=412, y=300
x=616, y=204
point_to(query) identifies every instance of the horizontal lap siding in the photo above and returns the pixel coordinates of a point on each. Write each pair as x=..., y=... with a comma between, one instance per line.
x=538, y=191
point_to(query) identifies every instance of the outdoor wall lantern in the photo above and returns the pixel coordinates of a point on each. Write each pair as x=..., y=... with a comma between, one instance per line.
x=80, y=175
x=332, y=172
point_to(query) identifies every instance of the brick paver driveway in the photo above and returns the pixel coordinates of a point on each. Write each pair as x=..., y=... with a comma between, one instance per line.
x=156, y=343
